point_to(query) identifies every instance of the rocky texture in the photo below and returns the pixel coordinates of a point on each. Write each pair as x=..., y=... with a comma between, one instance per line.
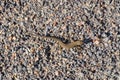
x=24, y=55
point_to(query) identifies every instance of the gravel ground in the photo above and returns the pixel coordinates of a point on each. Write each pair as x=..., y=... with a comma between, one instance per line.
x=24, y=55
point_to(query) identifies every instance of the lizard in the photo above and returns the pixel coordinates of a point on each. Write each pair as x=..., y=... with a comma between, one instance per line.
x=64, y=45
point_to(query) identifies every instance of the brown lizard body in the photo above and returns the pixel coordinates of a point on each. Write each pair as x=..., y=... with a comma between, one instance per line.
x=66, y=46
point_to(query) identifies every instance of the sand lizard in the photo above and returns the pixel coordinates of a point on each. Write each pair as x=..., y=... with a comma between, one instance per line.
x=63, y=45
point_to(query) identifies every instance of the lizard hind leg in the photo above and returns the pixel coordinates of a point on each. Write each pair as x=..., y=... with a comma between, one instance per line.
x=60, y=49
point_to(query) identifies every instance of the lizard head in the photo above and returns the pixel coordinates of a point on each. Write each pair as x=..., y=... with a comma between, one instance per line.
x=79, y=42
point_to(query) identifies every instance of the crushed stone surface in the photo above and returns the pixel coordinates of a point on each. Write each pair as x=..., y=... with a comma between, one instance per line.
x=25, y=55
